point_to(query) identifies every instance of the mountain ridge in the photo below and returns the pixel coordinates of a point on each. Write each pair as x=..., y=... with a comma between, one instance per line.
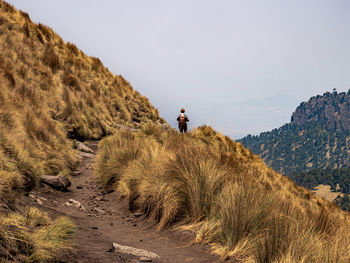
x=317, y=136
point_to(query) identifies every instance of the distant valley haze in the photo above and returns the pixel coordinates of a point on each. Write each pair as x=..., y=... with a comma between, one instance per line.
x=240, y=66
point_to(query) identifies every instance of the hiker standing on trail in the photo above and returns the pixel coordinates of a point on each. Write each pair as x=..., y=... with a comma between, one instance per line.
x=183, y=119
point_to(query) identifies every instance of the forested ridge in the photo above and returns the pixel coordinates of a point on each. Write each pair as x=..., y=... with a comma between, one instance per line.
x=317, y=137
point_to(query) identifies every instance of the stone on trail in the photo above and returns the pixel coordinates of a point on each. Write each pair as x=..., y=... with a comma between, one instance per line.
x=87, y=155
x=134, y=251
x=39, y=202
x=32, y=196
x=76, y=204
x=56, y=182
x=99, y=210
x=137, y=215
x=77, y=172
x=83, y=148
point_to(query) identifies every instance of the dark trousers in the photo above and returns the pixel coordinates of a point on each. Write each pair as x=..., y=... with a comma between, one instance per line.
x=183, y=128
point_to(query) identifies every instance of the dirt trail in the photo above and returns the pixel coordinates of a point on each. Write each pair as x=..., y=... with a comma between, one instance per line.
x=107, y=220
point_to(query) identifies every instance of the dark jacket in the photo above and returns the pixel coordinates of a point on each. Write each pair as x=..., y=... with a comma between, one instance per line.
x=186, y=119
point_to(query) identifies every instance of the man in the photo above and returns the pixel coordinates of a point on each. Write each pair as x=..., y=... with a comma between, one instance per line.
x=182, y=119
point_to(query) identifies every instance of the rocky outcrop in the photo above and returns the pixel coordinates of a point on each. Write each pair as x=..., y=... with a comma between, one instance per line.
x=331, y=110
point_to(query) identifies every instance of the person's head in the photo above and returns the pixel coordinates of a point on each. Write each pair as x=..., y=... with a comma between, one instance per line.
x=182, y=110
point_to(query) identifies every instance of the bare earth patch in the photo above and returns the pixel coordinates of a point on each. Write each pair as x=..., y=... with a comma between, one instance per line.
x=325, y=192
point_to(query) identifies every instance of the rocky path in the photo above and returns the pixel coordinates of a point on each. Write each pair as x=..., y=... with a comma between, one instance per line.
x=102, y=219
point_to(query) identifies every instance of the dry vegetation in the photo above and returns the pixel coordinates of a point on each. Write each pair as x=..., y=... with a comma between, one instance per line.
x=34, y=237
x=202, y=181
x=50, y=91
x=209, y=184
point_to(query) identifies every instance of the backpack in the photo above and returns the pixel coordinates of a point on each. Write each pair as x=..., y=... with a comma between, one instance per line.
x=182, y=119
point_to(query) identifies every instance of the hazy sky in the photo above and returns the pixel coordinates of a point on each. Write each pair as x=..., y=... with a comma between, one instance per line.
x=240, y=66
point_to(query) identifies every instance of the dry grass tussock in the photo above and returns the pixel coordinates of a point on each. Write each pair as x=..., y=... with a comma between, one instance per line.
x=50, y=89
x=207, y=183
x=34, y=237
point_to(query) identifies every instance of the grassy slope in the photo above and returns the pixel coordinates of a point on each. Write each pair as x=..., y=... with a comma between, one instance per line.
x=49, y=91
x=228, y=196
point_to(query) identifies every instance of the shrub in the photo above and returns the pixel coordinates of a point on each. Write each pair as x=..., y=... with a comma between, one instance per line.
x=34, y=237
x=116, y=153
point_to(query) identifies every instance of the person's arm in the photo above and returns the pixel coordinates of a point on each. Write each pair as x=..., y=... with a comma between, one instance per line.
x=186, y=118
x=178, y=118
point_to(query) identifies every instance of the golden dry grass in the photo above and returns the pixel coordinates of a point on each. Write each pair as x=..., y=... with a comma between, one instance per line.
x=50, y=91
x=41, y=72
x=206, y=182
x=34, y=237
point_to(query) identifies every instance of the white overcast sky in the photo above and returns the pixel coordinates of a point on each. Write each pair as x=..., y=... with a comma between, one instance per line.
x=240, y=66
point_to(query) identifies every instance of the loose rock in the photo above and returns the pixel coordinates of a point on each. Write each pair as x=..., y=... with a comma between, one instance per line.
x=83, y=148
x=134, y=251
x=77, y=204
x=77, y=172
x=56, y=182
x=99, y=210
x=137, y=215
x=32, y=196
x=87, y=155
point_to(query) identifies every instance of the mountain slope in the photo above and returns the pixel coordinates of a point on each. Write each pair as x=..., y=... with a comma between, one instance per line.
x=50, y=91
x=317, y=137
